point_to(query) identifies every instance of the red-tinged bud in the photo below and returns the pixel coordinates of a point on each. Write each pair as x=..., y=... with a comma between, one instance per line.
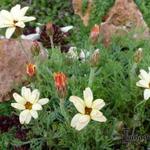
x=94, y=35
x=61, y=84
x=31, y=70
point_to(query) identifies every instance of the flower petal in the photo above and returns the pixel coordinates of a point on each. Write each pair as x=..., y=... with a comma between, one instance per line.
x=34, y=114
x=88, y=97
x=19, y=99
x=18, y=106
x=15, y=11
x=26, y=93
x=23, y=11
x=43, y=101
x=97, y=116
x=27, y=19
x=9, y=32
x=37, y=107
x=146, y=94
x=144, y=75
x=28, y=118
x=142, y=83
x=79, y=121
x=78, y=103
x=25, y=116
x=20, y=24
x=98, y=104
x=6, y=15
x=66, y=29
x=35, y=96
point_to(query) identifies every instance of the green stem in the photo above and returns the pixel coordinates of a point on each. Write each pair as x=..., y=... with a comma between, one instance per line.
x=63, y=111
x=91, y=77
x=133, y=71
x=144, y=101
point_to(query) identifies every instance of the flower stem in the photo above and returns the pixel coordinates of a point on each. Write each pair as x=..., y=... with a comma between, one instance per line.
x=63, y=111
x=144, y=101
x=91, y=77
x=51, y=41
x=133, y=71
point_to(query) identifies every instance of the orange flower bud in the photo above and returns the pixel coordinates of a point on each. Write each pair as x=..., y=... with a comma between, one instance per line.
x=61, y=83
x=31, y=69
x=94, y=35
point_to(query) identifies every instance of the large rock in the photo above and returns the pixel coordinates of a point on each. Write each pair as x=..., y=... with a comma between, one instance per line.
x=123, y=17
x=13, y=60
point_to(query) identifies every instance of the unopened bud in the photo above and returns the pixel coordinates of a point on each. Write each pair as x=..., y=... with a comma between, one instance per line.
x=119, y=126
x=35, y=48
x=94, y=35
x=60, y=84
x=72, y=53
x=82, y=55
x=49, y=29
x=31, y=69
x=94, y=61
x=138, y=55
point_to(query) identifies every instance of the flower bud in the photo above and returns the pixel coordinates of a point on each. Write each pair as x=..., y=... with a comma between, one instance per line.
x=31, y=69
x=60, y=84
x=49, y=29
x=35, y=48
x=94, y=61
x=82, y=56
x=94, y=35
x=138, y=55
x=72, y=53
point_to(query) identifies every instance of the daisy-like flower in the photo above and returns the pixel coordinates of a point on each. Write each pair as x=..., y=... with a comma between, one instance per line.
x=29, y=103
x=88, y=109
x=144, y=82
x=14, y=19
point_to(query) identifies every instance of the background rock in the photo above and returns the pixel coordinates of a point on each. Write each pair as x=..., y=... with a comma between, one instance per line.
x=13, y=60
x=123, y=17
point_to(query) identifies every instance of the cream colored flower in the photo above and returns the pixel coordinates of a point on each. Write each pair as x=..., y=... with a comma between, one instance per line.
x=29, y=103
x=144, y=82
x=88, y=109
x=14, y=19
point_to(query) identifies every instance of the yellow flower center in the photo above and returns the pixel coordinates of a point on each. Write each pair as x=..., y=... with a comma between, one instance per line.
x=88, y=110
x=28, y=105
x=14, y=23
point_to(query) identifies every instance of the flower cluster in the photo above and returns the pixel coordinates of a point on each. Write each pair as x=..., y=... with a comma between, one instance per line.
x=29, y=102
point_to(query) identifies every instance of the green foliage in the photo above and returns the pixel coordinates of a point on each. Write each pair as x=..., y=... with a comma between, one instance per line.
x=114, y=82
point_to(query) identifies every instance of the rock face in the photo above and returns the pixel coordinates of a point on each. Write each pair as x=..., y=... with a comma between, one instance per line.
x=13, y=60
x=123, y=17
